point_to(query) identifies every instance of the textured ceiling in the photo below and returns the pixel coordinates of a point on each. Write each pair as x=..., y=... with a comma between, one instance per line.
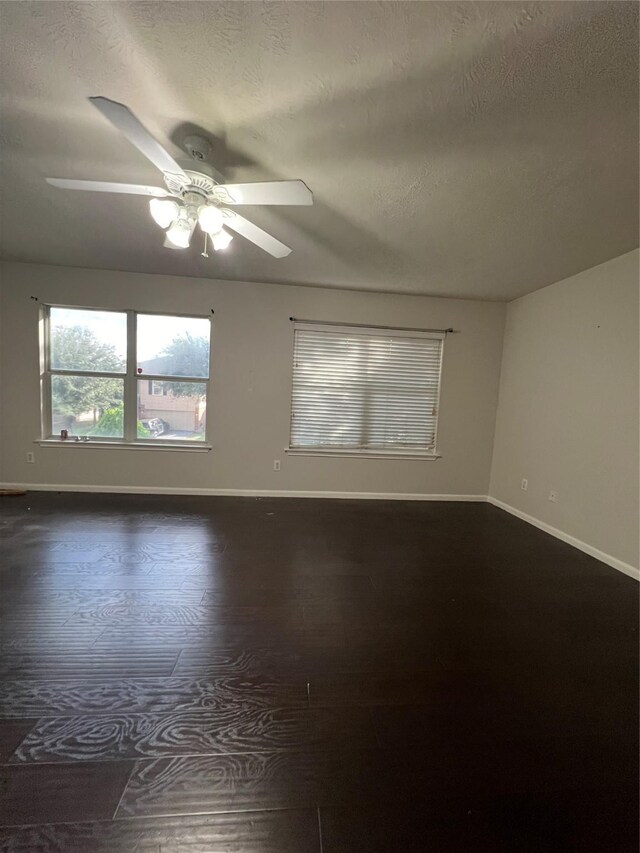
x=463, y=149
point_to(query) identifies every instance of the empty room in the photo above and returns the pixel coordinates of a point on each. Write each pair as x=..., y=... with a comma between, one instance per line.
x=319, y=427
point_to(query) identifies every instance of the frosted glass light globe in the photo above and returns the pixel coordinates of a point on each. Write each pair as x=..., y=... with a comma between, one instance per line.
x=164, y=211
x=180, y=233
x=210, y=218
x=221, y=240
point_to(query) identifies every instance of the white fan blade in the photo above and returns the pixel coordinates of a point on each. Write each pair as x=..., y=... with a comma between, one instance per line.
x=247, y=229
x=124, y=120
x=264, y=192
x=108, y=187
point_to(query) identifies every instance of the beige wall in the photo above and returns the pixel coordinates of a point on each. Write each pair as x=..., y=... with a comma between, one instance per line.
x=568, y=407
x=567, y=417
x=249, y=409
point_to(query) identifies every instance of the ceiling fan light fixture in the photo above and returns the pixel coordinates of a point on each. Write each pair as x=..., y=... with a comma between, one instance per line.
x=210, y=219
x=180, y=233
x=164, y=211
x=190, y=196
x=221, y=240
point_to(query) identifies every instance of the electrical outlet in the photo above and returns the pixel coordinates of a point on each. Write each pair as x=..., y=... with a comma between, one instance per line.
x=276, y=464
x=31, y=457
x=524, y=485
x=553, y=497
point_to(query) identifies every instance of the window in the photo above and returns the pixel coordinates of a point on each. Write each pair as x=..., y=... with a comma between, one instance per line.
x=365, y=392
x=125, y=376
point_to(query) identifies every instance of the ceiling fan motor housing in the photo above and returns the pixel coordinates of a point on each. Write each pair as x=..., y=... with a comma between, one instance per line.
x=199, y=184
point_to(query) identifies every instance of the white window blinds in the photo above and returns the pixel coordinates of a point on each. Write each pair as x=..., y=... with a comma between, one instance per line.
x=365, y=391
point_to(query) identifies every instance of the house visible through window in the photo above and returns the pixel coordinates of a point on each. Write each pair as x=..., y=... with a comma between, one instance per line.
x=369, y=392
x=126, y=376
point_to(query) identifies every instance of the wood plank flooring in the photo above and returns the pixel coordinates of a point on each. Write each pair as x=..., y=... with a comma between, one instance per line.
x=303, y=676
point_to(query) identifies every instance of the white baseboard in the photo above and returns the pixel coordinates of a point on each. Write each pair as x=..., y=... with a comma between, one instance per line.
x=246, y=493
x=614, y=562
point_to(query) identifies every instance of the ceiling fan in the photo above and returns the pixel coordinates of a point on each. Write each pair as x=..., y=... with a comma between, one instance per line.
x=191, y=197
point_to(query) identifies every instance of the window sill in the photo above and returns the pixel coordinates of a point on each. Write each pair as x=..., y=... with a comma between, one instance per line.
x=126, y=445
x=364, y=454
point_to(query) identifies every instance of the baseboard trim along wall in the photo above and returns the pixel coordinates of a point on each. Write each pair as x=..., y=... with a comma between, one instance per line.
x=621, y=566
x=614, y=562
x=240, y=493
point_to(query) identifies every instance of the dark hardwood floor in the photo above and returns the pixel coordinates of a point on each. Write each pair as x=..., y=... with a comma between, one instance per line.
x=283, y=676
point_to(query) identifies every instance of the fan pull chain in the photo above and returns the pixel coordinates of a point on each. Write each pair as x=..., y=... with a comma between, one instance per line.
x=204, y=254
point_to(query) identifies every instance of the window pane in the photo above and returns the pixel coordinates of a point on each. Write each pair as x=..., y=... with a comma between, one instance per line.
x=88, y=340
x=178, y=413
x=173, y=346
x=87, y=405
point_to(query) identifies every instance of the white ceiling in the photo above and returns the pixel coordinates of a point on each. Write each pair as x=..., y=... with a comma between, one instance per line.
x=461, y=149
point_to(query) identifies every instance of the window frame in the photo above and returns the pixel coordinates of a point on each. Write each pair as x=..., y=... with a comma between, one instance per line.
x=130, y=378
x=366, y=453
